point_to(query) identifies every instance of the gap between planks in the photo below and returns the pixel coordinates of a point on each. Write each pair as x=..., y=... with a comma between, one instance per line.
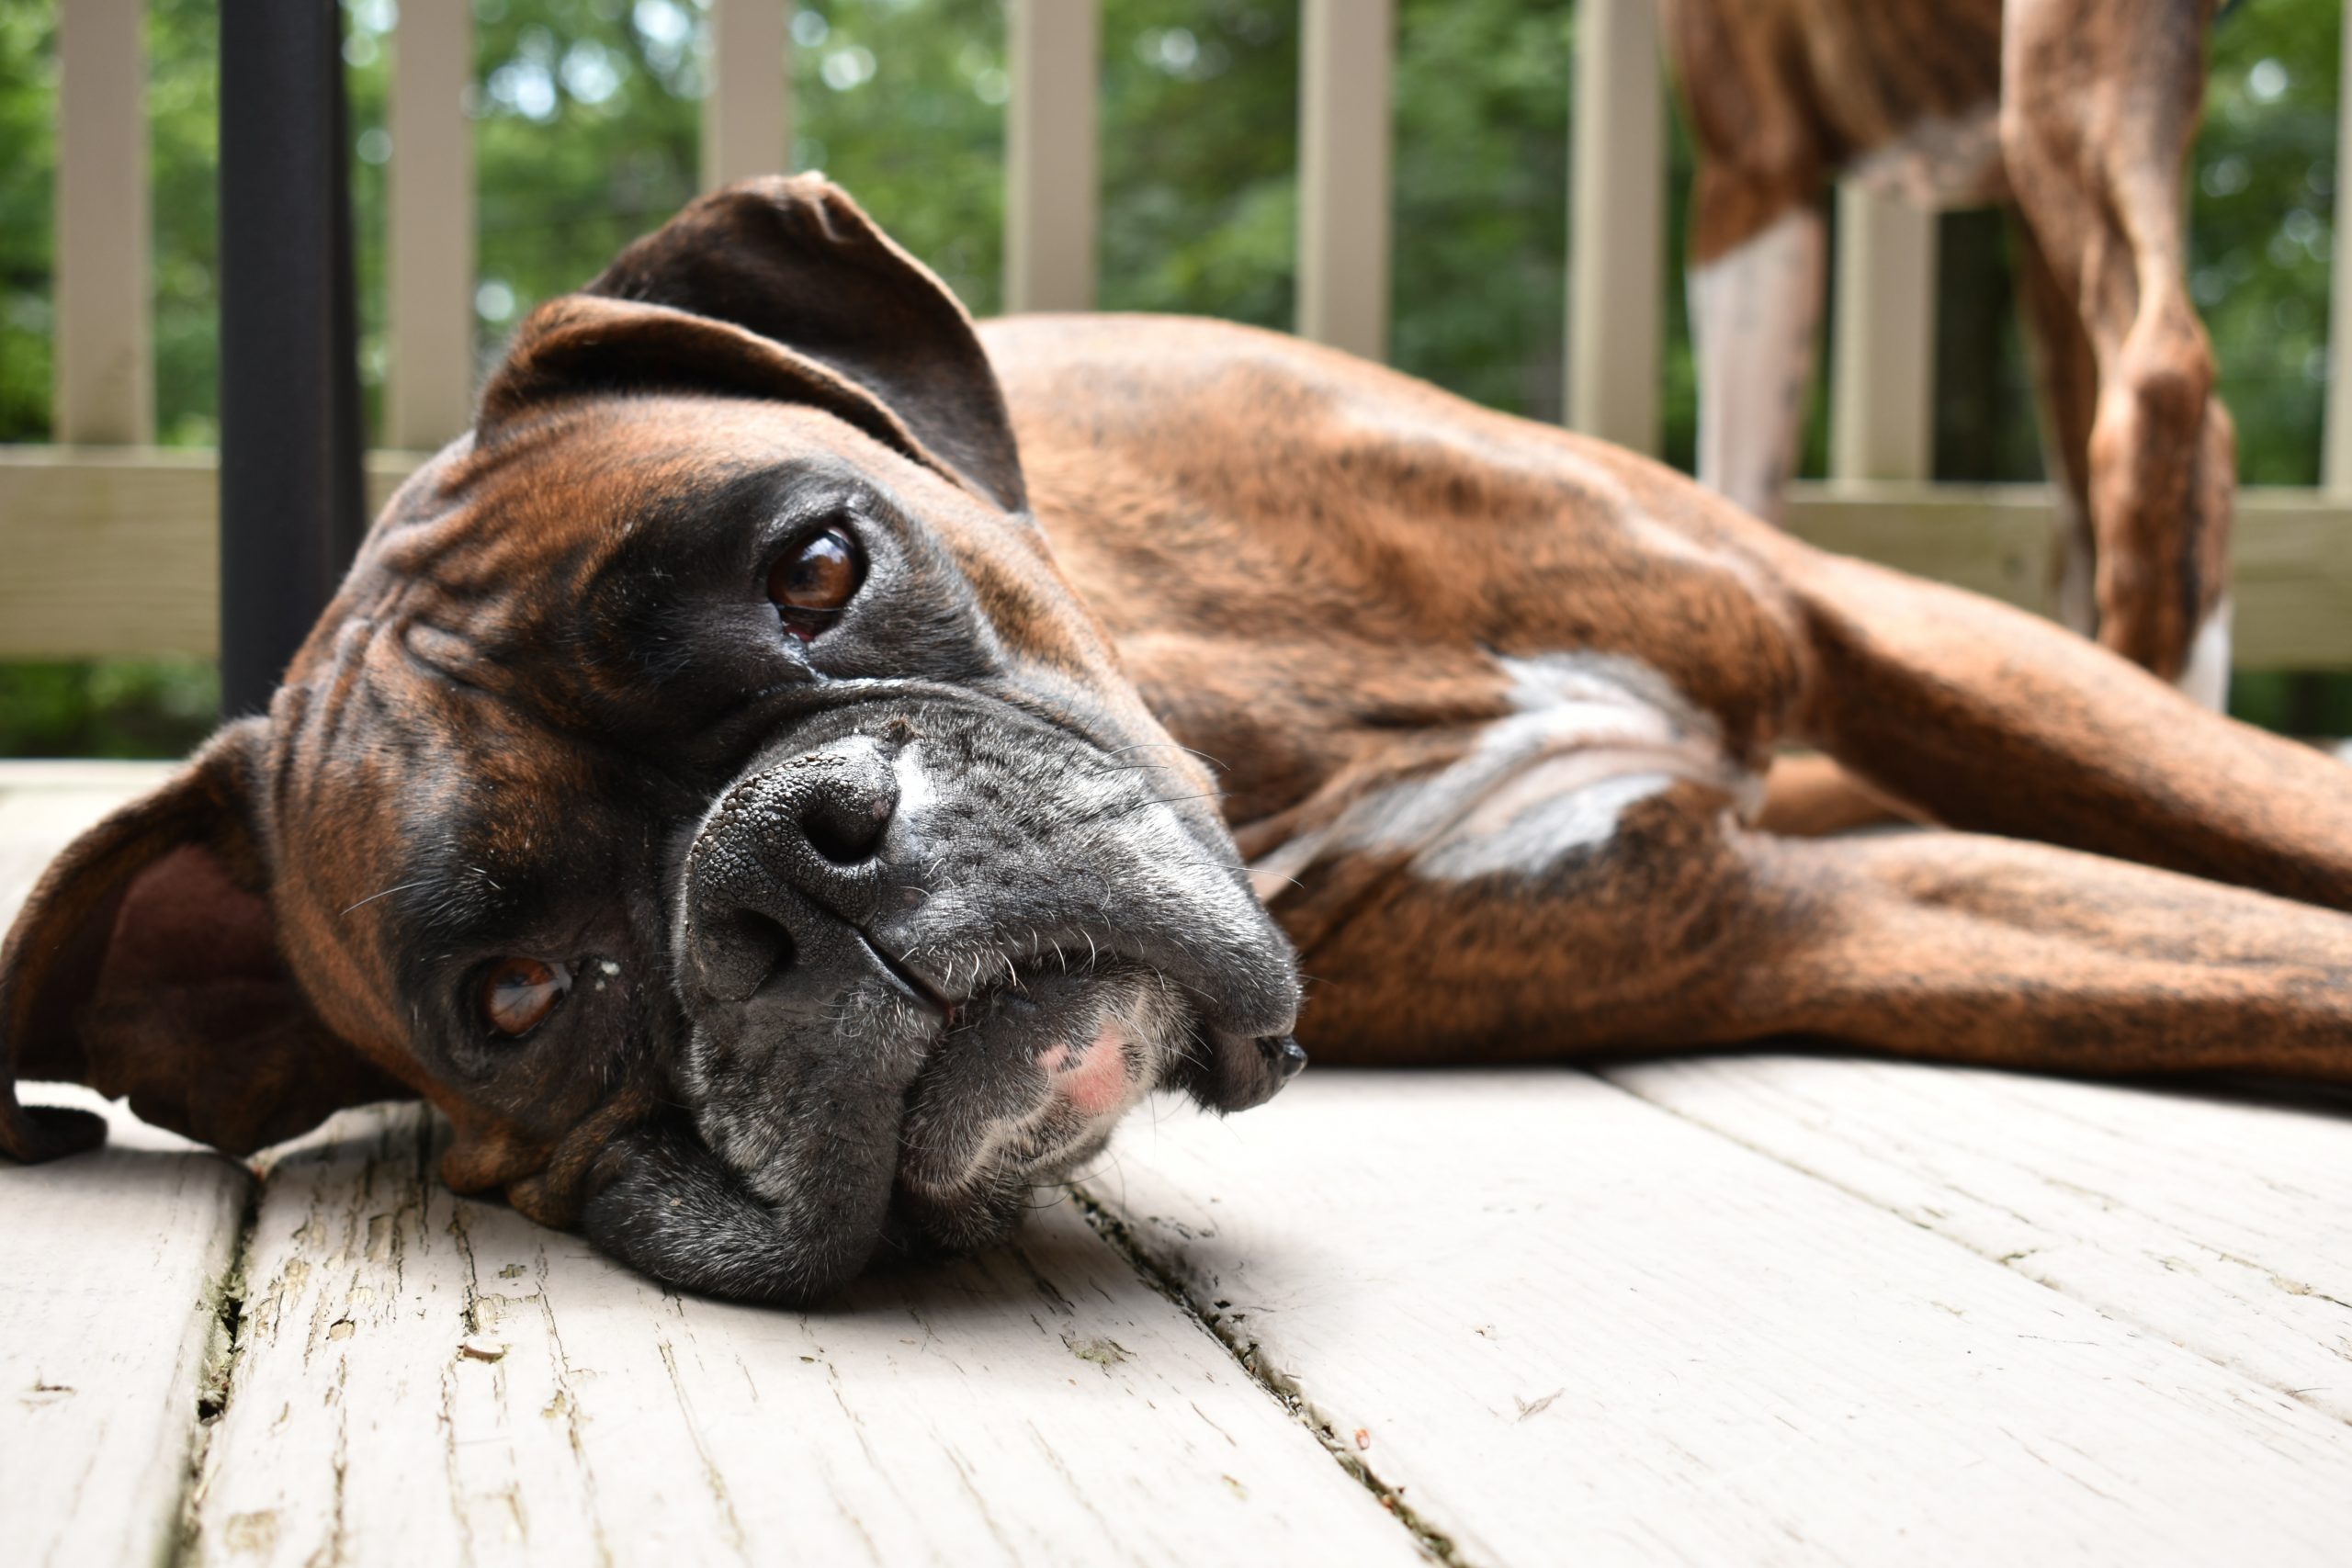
x=426, y=1376
x=44, y=805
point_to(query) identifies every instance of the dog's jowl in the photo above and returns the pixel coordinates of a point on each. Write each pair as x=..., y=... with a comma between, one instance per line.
x=803, y=767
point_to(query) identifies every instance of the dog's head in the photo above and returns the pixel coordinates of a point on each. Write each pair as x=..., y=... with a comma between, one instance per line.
x=704, y=789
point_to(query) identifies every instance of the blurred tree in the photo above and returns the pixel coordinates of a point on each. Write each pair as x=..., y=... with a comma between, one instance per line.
x=587, y=112
x=184, y=120
x=27, y=196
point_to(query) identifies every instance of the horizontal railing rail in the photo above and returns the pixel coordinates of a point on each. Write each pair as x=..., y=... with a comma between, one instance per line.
x=114, y=550
x=108, y=539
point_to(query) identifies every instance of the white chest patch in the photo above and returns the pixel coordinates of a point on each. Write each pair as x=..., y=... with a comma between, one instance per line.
x=1592, y=734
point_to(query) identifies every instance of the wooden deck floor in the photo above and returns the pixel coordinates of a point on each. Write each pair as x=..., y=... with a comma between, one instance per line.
x=1759, y=1309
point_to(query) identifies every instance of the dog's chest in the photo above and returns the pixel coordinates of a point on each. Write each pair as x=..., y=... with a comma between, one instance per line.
x=1587, y=735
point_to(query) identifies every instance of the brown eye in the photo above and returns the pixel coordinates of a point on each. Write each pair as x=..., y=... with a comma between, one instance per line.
x=811, y=583
x=518, y=993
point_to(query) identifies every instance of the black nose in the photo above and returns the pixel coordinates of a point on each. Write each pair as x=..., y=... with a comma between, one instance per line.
x=786, y=868
x=845, y=806
x=1285, y=1055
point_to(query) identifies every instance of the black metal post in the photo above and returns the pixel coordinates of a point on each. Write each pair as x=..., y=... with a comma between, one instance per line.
x=293, y=500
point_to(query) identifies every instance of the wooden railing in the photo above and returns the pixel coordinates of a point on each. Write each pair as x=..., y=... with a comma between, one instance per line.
x=111, y=543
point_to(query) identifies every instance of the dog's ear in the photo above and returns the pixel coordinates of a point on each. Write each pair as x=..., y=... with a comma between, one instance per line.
x=778, y=288
x=146, y=964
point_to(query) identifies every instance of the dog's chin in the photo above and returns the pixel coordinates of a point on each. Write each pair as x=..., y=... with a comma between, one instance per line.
x=1019, y=1088
x=1026, y=1092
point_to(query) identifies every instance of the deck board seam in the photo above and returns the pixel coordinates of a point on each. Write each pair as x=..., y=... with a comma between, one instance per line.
x=1433, y=1542
x=2006, y=1262
x=225, y=1299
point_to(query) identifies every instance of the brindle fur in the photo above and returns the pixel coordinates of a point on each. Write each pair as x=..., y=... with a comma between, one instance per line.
x=1314, y=593
x=2095, y=103
x=1280, y=582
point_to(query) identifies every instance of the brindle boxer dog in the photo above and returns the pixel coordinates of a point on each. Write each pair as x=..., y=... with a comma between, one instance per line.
x=2075, y=114
x=713, y=791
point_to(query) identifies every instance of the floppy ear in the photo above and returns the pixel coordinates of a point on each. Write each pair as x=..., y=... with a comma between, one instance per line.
x=146, y=964
x=778, y=288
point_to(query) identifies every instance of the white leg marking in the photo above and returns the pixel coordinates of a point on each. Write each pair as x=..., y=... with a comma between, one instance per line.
x=2078, y=578
x=1756, y=314
x=2205, y=678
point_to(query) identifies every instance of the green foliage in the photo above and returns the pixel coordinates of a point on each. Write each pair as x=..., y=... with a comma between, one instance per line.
x=114, y=708
x=184, y=150
x=1482, y=198
x=1200, y=149
x=2259, y=227
x=586, y=135
x=27, y=186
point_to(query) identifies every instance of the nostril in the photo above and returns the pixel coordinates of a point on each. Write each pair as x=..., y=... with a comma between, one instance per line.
x=739, y=950
x=845, y=826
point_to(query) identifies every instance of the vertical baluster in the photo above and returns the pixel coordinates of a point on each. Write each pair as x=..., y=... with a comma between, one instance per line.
x=105, y=374
x=1881, y=380
x=1051, y=199
x=1617, y=233
x=746, y=104
x=1345, y=121
x=430, y=268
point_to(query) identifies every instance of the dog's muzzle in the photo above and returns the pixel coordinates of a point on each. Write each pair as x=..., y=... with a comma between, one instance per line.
x=927, y=957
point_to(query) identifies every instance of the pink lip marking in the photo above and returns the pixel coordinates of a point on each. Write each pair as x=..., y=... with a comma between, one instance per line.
x=1094, y=1080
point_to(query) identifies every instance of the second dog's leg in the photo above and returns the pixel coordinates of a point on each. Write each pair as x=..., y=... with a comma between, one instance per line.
x=1755, y=318
x=2099, y=101
x=2067, y=376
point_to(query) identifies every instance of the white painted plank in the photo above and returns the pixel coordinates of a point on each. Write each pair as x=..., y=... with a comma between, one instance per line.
x=1345, y=126
x=1573, y=1328
x=1882, y=383
x=110, y=1268
x=1617, y=224
x=36, y=822
x=747, y=109
x=1040, y=1404
x=104, y=375
x=1050, y=172
x=2226, y=1226
x=80, y=772
x=430, y=226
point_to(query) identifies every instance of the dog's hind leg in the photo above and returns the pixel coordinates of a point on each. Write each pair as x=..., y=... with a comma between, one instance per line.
x=1682, y=930
x=1961, y=947
x=1991, y=719
x=1810, y=796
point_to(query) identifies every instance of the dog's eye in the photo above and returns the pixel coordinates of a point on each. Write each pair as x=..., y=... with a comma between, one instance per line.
x=517, y=994
x=814, y=579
